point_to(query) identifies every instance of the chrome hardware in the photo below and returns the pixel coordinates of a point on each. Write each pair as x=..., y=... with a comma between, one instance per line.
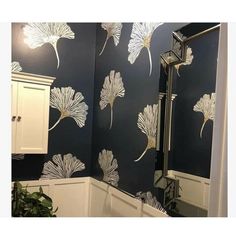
x=13, y=118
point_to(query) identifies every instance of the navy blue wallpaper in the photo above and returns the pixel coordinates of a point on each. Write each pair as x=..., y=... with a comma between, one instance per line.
x=76, y=69
x=125, y=139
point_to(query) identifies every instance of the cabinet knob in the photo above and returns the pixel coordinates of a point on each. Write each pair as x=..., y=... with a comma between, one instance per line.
x=13, y=118
x=18, y=118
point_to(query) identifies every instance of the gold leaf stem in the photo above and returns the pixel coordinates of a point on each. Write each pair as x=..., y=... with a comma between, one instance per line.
x=111, y=116
x=104, y=46
x=150, y=60
x=142, y=154
x=205, y=120
x=60, y=118
x=54, y=44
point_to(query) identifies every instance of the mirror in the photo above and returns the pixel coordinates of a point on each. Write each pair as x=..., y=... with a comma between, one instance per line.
x=186, y=114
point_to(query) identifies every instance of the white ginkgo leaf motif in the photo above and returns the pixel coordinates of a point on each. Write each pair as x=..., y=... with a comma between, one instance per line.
x=15, y=66
x=206, y=105
x=147, y=198
x=141, y=36
x=188, y=61
x=109, y=165
x=37, y=34
x=112, y=87
x=113, y=30
x=147, y=123
x=60, y=167
x=69, y=105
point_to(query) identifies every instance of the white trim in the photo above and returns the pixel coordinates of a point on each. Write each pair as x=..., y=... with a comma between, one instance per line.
x=193, y=189
x=218, y=189
x=32, y=78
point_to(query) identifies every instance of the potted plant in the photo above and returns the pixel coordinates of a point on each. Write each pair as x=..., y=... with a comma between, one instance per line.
x=26, y=204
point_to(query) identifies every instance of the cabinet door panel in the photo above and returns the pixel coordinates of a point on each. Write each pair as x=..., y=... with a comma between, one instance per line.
x=32, y=127
x=13, y=114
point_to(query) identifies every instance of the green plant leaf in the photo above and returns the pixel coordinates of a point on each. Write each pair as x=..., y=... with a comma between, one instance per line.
x=25, y=204
x=46, y=203
x=46, y=197
x=35, y=195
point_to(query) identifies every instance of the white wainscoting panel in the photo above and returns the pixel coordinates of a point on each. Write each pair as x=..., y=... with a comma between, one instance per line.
x=72, y=197
x=106, y=200
x=86, y=196
x=69, y=195
x=193, y=189
x=123, y=204
x=99, y=199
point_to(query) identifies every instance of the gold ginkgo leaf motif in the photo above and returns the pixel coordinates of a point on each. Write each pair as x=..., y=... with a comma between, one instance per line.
x=108, y=165
x=147, y=123
x=206, y=105
x=69, y=105
x=141, y=37
x=113, y=87
x=188, y=61
x=113, y=30
x=37, y=34
x=62, y=167
x=15, y=66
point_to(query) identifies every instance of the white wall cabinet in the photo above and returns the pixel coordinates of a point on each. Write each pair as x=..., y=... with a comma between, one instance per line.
x=30, y=112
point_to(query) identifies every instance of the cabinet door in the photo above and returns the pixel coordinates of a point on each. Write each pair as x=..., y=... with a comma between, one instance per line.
x=32, y=118
x=13, y=114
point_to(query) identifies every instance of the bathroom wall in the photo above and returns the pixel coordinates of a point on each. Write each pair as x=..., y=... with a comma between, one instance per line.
x=125, y=139
x=76, y=69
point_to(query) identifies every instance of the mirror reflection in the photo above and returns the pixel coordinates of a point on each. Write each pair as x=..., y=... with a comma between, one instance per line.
x=187, y=107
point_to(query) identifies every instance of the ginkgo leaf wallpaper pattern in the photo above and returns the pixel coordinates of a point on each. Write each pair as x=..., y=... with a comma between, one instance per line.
x=206, y=105
x=141, y=37
x=73, y=134
x=109, y=166
x=61, y=167
x=83, y=68
x=69, y=105
x=114, y=31
x=125, y=139
x=113, y=87
x=147, y=123
x=38, y=34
